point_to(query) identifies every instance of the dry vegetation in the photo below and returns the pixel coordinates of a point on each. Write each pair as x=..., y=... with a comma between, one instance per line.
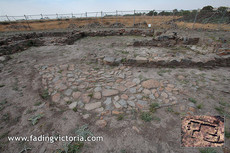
x=156, y=21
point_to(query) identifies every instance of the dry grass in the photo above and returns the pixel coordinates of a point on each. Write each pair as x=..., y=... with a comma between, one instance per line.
x=208, y=26
x=156, y=21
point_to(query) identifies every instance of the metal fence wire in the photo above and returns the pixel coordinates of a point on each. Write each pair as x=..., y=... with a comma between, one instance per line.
x=193, y=19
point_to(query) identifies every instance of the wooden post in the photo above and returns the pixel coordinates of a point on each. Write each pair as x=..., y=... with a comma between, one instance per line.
x=133, y=17
x=86, y=14
x=57, y=15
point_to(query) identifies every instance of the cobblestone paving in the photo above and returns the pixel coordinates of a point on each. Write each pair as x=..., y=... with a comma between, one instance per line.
x=108, y=89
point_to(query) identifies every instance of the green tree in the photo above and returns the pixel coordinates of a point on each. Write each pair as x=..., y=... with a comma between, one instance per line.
x=222, y=9
x=151, y=13
x=207, y=9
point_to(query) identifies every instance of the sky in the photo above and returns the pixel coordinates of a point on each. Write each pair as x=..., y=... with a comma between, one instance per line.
x=28, y=7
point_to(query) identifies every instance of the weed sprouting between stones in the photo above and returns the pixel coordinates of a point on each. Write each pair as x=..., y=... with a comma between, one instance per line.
x=90, y=95
x=75, y=109
x=120, y=117
x=153, y=107
x=45, y=94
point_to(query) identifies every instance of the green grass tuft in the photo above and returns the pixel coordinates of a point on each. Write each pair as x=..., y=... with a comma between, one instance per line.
x=161, y=72
x=90, y=95
x=153, y=107
x=75, y=109
x=200, y=106
x=155, y=118
x=45, y=94
x=170, y=109
x=34, y=119
x=146, y=116
x=192, y=100
x=120, y=117
x=207, y=150
x=38, y=103
x=227, y=134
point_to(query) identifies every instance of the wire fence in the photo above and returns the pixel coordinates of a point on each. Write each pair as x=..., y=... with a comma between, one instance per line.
x=192, y=19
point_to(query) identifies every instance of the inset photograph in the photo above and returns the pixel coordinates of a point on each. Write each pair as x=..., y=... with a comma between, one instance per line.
x=202, y=131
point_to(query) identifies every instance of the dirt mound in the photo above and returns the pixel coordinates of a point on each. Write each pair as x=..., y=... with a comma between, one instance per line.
x=117, y=25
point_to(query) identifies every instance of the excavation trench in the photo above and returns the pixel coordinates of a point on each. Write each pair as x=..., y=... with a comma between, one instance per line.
x=22, y=42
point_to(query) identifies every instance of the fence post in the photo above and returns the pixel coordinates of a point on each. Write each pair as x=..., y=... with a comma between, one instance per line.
x=86, y=14
x=27, y=22
x=7, y=18
x=41, y=16
x=152, y=19
x=134, y=17
x=195, y=19
x=172, y=20
x=101, y=17
x=116, y=16
x=57, y=15
x=72, y=15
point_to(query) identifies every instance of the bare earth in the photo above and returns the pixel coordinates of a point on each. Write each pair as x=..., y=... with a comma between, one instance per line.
x=109, y=99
